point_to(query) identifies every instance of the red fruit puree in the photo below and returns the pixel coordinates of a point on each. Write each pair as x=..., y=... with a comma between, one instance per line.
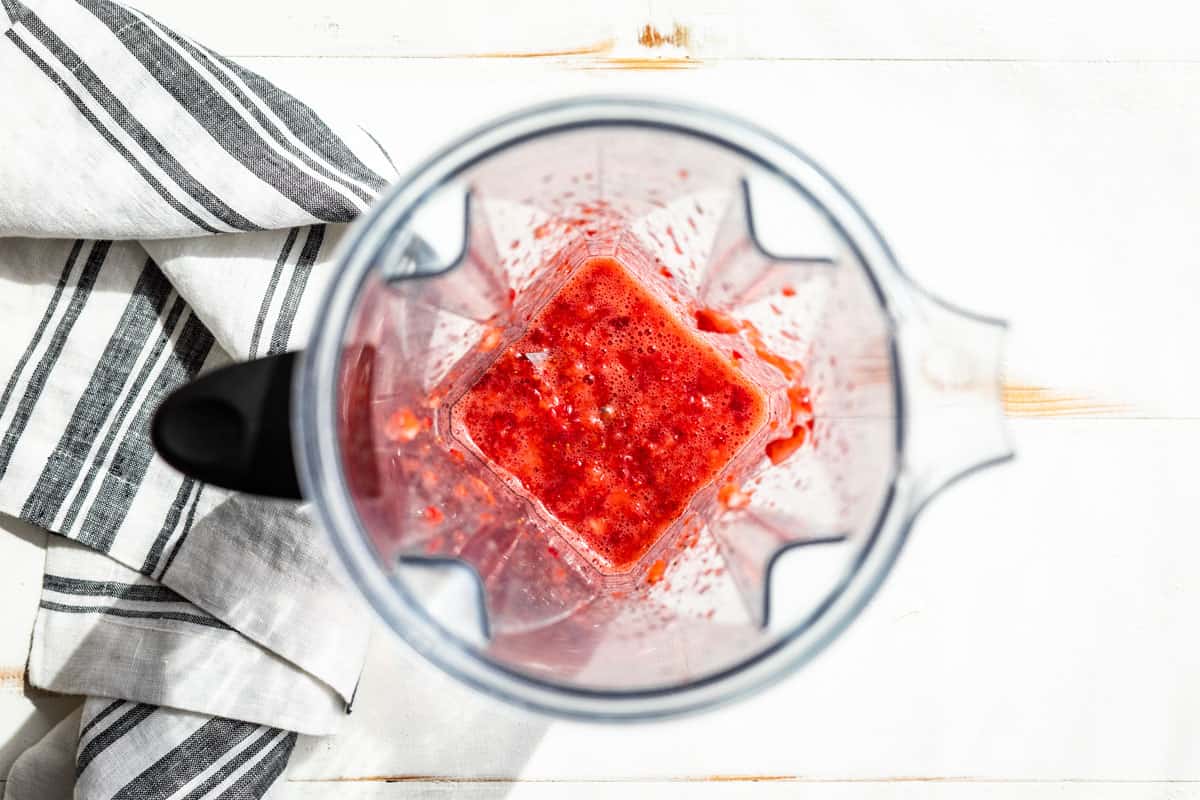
x=611, y=412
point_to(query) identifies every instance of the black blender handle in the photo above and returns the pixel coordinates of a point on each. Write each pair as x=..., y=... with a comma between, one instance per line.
x=231, y=427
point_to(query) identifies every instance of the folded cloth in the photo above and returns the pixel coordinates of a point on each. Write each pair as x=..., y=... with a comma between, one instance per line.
x=47, y=770
x=105, y=630
x=149, y=752
x=162, y=752
x=136, y=153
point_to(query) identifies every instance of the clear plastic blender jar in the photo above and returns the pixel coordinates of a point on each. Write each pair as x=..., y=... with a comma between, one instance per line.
x=874, y=397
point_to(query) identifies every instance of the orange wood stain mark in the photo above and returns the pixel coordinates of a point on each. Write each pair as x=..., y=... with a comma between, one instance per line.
x=1018, y=399
x=596, y=56
x=12, y=676
x=1025, y=400
x=747, y=778
x=599, y=48
x=650, y=36
x=643, y=63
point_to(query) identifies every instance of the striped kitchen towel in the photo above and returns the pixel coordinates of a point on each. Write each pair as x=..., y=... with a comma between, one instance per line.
x=190, y=755
x=162, y=211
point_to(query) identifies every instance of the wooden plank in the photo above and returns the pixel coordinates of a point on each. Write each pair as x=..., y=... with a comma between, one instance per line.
x=709, y=29
x=720, y=790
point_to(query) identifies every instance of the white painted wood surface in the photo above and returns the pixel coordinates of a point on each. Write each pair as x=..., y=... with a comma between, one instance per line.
x=1035, y=161
x=727, y=790
x=1152, y=30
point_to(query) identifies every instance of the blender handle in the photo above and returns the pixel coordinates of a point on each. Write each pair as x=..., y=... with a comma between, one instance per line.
x=231, y=427
x=953, y=379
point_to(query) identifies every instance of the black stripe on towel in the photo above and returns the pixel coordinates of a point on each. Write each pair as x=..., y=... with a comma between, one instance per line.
x=307, y=126
x=232, y=765
x=168, y=527
x=100, y=716
x=109, y=379
x=72, y=257
x=209, y=62
x=187, y=528
x=133, y=613
x=223, y=122
x=13, y=9
x=101, y=742
x=295, y=291
x=108, y=136
x=115, y=589
x=45, y=365
x=152, y=147
x=131, y=460
x=288, y=243
x=255, y=781
x=126, y=406
x=204, y=747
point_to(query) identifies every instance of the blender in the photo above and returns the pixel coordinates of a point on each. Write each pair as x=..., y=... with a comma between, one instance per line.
x=870, y=397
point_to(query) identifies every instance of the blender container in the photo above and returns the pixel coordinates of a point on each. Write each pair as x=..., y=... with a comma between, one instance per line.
x=876, y=396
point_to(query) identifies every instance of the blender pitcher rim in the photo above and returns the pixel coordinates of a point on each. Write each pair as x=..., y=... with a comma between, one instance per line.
x=318, y=456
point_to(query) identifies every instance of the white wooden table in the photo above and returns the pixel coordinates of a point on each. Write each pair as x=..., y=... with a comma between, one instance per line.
x=1036, y=161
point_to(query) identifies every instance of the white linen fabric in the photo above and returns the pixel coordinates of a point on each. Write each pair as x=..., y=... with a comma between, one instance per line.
x=107, y=631
x=150, y=751
x=163, y=211
x=47, y=770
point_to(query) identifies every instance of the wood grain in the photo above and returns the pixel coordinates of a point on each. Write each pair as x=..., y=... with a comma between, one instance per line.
x=1024, y=400
x=654, y=63
x=12, y=677
x=599, y=48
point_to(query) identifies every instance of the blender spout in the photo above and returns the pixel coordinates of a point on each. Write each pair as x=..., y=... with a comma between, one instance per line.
x=950, y=362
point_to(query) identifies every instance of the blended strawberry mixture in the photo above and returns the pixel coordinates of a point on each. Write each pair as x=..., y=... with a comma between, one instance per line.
x=611, y=412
